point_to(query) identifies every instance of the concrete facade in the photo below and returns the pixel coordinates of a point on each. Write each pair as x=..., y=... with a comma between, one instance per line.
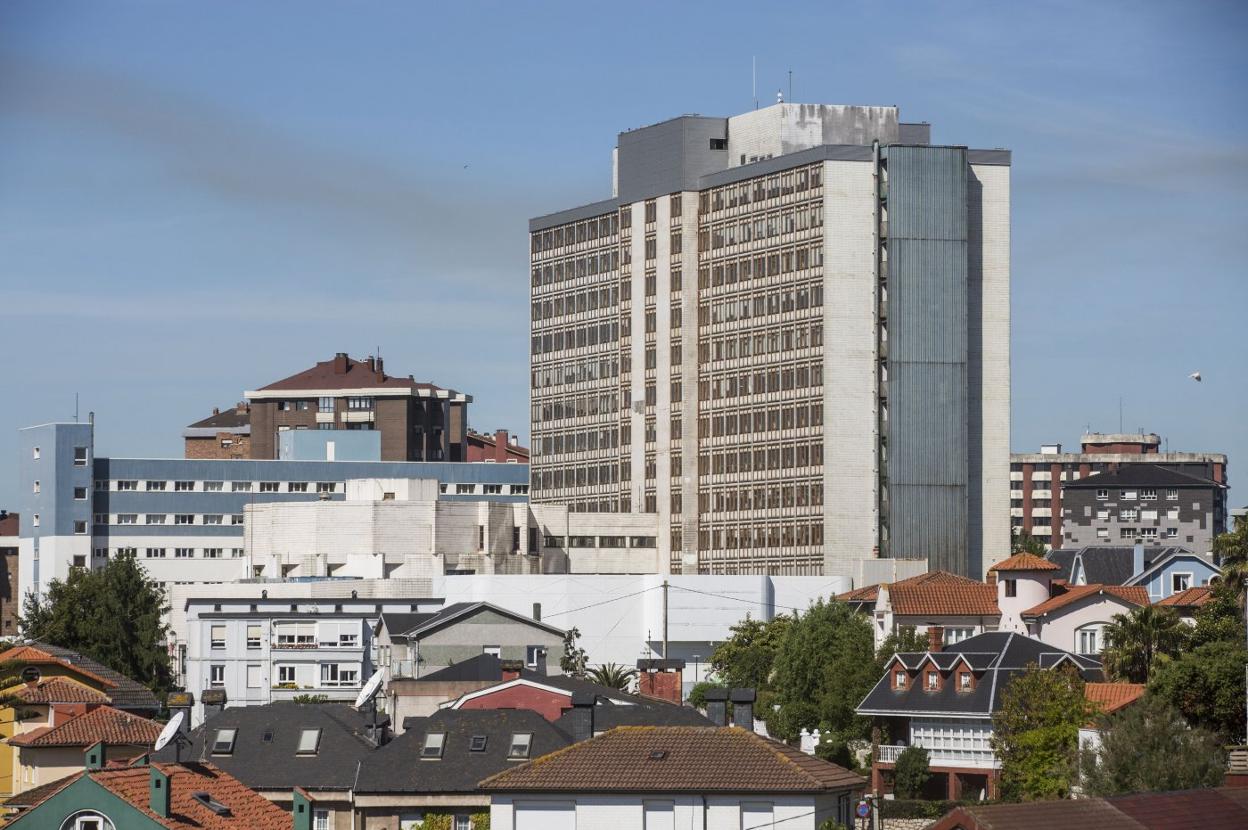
x=709, y=307
x=711, y=811
x=183, y=518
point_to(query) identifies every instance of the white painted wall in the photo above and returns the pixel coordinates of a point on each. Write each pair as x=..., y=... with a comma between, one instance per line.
x=616, y=812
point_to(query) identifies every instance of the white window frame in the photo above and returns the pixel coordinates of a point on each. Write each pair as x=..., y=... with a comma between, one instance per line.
x=1174, y=575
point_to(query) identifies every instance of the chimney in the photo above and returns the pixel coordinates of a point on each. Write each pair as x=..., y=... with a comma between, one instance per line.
x=511, y=668
x=213, y=701
x=216, y=410
x=158, y=791
x=662, y=679
x=537, y=612
x=717, y=706
x=935, y=637
x=372, y=364
x=381, y=375
x=94, y=757
x=581, y=716
x=1137, y=559
x=181, y=702
x=743, y=708
x=500, y=445
x=340, y=363
x=301, y=809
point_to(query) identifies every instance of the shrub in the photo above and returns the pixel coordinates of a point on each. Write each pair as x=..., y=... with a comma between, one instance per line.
x=911, y=772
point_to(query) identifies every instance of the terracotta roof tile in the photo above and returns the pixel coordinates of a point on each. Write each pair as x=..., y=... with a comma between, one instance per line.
x=869, y=593
x=1191, y=598
x=1110, y=697
x=248, y=809
x=693, y=759
x=58, y=690
x=975, y=599
x=104, y=723
x=34, y=656
x=1024, y=562
x=1133, y=594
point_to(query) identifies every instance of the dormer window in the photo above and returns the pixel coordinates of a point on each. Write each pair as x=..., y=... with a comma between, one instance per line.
x=433, y=745
x=899, y=680
x=965, y=681
x=933, y=681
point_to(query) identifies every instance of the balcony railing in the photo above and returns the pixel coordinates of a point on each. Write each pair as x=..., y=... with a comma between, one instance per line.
x=974, y=758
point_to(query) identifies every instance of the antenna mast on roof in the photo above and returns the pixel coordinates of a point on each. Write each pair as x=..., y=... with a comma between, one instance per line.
x=754, y=79
x=790, y=86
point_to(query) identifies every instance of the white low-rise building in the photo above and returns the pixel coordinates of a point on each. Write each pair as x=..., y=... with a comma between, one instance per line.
x=405, y=528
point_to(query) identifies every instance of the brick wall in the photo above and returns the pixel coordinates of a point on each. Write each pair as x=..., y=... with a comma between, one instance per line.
x=216, y=447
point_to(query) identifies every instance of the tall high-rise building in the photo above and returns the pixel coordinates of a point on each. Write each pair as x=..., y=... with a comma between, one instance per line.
x=786, y=335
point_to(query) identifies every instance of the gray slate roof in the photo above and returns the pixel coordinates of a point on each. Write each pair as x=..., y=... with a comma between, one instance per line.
x=996, y=658
x=415, y=626
x=128, y=694
x=272, y=763
x=1106, y=564
x=399, y=767
x=1140, y=475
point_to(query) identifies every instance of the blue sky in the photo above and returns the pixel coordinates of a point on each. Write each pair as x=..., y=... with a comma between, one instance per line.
x=196, y=199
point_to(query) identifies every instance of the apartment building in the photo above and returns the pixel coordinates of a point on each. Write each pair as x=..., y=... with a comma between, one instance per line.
x=1037, y=480
x=786, y=337
x=184, y=517
x=416, y=421
x=10, y=600
x=222, y=435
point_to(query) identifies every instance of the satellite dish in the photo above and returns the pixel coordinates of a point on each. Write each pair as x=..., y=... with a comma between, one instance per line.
x=1195, y=376
x=170, y=731
x=369, y=690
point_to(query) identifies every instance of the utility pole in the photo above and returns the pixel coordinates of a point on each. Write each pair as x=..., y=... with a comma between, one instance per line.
x=665, y=619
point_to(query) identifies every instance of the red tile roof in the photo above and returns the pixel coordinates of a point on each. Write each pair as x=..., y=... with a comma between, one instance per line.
x=944, y=599
x=1110, y=697
x=869, y=593
x=1024, y=562
x=358, y=375
x=58, y=690
x=36, y=657
x=1191, y=598
x=656, y=759
x=1132, y=594
x=112, y=726
x=247, y=809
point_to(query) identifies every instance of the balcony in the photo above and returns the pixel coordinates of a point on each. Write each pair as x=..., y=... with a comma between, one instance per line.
x=971, y=758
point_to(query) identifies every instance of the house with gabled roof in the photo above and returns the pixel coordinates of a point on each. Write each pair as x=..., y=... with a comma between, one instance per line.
x=682, y=776
x=149, y=796
x=1187, y=603
x=958, y=606
x=416, y=644
x=943, y=699
x=49, y=752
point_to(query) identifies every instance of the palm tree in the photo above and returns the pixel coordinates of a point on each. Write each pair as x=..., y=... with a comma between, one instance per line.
x=613, y=676
x=1231, y=551
x=1134, y=642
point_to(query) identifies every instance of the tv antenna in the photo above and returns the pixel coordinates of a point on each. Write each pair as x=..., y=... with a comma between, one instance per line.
x=172, y=733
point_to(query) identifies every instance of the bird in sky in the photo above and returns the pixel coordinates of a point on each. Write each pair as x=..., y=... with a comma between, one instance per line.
x=1195, y=376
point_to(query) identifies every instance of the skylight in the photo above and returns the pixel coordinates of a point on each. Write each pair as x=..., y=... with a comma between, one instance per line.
x=309, y=740
x=477, y=743
x=211, y=803
x=223, y=744
x=433, y=745
x=521, y=743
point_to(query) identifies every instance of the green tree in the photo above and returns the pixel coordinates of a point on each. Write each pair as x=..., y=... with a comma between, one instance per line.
x=113, y=614
x=1035, y=733
x=613, y=676
x=1023, y=542
x=1219, y=619
x=1148, y=746
x=1231, y=550
x=573, y=662
x=1136, y=641
x=697, y=695
x=911, y=772
x=903, y=639
x=824, y=666
x=745, y=659
x=1206, y=685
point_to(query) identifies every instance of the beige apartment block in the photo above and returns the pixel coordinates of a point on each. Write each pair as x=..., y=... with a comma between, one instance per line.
x=786, y=338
